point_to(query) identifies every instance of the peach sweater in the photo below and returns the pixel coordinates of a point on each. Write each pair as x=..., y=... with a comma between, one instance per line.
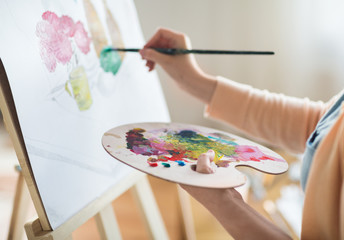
x=288, y=122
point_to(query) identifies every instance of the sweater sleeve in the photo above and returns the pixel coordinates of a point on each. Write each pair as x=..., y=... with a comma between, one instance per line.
x=275, y=118
x=323, y=212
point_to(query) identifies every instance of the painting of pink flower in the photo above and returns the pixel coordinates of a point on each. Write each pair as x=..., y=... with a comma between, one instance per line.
x=81, y=38
x=57, y=34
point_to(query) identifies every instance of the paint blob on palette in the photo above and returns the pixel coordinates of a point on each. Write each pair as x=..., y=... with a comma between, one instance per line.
x=170, y=151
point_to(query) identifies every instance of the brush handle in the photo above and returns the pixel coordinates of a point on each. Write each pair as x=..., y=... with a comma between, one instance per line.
x=176, y=51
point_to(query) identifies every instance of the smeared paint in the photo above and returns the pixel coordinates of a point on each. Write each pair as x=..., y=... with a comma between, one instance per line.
x=217, y=158
x=220, y=162
x=182, y=146
x=110, y=61
x=173, y=146
x=219, y=138
x=252, y=153
x=56, y=35
x=112, y=135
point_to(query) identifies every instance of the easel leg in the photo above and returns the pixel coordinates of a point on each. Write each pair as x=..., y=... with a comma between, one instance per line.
x=107, y=224
x=19, y=212
x=144, y=196
x=34, y=231
x=186, y=211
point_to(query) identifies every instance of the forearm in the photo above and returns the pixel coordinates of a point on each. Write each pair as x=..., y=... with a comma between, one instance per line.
x=278, y=119
x=228, y=206
x=241, y=220
x=199, y=85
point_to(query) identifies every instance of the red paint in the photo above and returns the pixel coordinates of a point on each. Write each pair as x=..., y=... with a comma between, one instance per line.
x=153, y=164
x=249, y=150
x=266, y=158
x=254, y=159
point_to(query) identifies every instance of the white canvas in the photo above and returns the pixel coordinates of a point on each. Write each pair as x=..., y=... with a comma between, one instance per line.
x=44, y=46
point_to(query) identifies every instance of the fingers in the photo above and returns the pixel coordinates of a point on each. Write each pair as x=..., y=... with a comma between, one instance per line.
x=167, y=38
x=163, y=38
x=153, y=57
x=150, y=65
x=204, y=162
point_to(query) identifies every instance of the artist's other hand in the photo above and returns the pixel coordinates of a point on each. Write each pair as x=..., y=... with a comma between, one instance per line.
x=229, y=208
x=204, y=162
x=208, y=196
x=182, y=68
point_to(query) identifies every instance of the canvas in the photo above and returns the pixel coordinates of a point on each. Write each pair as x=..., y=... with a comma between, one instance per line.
x=67, y=94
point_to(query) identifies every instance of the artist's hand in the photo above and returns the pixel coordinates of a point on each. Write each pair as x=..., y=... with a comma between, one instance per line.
x=208, y=196
x=229, y=208
x=204, y=162
x=182, y=68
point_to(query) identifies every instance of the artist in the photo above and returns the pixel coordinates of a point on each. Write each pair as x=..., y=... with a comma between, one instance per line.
x=300, y=125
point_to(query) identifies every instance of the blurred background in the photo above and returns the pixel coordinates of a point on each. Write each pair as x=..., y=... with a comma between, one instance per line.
x=307, y=38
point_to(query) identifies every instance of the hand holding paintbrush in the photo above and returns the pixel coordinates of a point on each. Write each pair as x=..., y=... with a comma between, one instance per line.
x=171, y=50
x=183, y=68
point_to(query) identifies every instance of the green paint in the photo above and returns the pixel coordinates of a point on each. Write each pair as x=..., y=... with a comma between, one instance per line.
x=110, y=61
x=192, y=144
x=167, y=165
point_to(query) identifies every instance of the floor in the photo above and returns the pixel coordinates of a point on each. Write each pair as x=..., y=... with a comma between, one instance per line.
x=264, y=194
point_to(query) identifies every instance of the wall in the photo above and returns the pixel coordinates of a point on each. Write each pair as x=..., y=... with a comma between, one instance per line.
x=306, y=35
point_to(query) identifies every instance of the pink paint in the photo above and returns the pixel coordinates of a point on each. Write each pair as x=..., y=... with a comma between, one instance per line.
x=160, y=145
x=50, y=17
x=81, y=38
x=252, y=153
x=56, y=37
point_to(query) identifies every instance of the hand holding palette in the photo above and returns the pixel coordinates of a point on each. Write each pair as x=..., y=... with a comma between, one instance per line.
x=169, y=150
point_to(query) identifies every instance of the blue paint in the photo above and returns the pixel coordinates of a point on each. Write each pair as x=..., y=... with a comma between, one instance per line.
x=181, y=163
x=221, y=140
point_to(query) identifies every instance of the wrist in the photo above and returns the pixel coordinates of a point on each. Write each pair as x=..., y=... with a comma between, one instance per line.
x=201, y=86
x=221, y=199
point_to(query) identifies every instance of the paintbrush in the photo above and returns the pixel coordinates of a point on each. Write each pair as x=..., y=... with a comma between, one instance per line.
x=178, y=51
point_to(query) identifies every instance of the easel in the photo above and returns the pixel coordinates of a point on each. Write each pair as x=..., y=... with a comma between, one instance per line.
x=101, y=207
x=22, y=201
x=21, y=204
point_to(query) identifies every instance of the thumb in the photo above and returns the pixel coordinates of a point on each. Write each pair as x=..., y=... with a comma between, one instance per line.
x=204, y=162
x=154, y=56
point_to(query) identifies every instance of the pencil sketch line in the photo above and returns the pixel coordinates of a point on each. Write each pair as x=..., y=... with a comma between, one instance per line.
x=60, y=158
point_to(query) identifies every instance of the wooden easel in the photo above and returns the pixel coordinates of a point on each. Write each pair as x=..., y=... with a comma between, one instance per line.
x=101, y=207
x=22, y=201
x=21, y=204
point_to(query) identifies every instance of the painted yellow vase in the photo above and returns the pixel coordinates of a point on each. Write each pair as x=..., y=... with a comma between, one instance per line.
x=80, y=88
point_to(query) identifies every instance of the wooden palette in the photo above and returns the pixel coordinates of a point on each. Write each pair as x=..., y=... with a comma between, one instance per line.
x=169, y=150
